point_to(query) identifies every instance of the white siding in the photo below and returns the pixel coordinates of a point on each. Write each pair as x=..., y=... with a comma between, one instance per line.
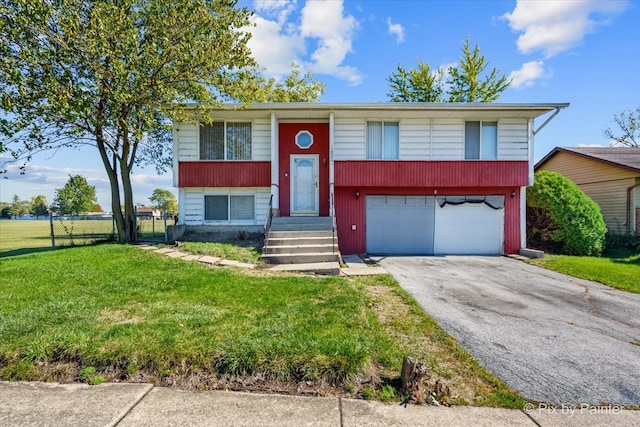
x=261, y=139
x=415, y=139
x=262, y=204
x=512, y=139
x=349, y=139
x=187, y=140
x=193, y=204
x=447, y=140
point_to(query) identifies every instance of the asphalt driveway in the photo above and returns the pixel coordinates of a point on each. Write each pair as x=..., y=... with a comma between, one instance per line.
x=552, y=337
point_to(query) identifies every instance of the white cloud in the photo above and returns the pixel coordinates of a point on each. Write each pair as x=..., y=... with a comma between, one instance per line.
x=273, y=48
x=554, y=26
x=527, y=75
x=278, y=39
x=592, y=145
x=397, y=30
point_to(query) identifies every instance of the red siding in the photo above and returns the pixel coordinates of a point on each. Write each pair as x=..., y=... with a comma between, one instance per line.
x=380, y=173
x=224, y=174
x=287, y=146
x=351, y=211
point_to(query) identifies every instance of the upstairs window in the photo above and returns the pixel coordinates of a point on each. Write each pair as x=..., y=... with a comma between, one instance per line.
x=225, y=141
x=383, y=140
x=481, y=140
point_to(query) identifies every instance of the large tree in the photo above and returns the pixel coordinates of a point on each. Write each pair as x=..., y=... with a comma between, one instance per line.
x=112, y=74
x=628, y=132
x=467, y=82
x=76, y=197
x=18, y=207
x=38, y=206
x=165, y=201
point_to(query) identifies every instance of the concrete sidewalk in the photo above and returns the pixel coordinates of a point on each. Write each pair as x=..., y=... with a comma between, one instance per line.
x=123, y=404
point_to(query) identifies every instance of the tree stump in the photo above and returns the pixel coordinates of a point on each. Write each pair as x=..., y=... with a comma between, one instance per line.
x=414, y=378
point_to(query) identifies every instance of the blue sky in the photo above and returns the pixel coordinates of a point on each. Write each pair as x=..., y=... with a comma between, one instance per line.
x=582, y=52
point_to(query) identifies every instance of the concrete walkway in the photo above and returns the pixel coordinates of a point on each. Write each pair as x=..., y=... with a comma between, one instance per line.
x=354, y=265
x=122, y=404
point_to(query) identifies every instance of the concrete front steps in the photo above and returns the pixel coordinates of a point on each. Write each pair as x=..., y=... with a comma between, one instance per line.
x=303, y=241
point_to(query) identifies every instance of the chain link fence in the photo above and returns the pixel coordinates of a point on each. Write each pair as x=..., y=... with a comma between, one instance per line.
x=90, y=229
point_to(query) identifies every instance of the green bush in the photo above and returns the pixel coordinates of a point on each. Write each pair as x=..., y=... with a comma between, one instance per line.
x=562, y=218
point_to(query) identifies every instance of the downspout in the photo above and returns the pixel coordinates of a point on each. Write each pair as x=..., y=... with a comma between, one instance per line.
x=629, y=207
x=275, y=167
x=555, y=113
x=332, y=211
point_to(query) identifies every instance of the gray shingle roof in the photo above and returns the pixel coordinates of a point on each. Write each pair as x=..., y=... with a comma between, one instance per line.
x=626, y=157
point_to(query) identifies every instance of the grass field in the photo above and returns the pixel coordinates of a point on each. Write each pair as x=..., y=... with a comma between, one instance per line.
x=619, y=269
x=23, y=236
x=118, y=313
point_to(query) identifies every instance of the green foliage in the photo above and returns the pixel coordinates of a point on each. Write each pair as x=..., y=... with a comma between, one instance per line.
x=417, y=85
x=628, y=132
x=465, y=83
x=97, y=380
x=576, y=222
x=18, y=207
x=387, y=393
x=165, y=201
x=38, y=206
x=294, y=88
x=76, y=197
x=368, y=393
x=87, y=372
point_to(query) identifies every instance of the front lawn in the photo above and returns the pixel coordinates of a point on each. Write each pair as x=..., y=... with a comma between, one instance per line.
x=118, y=313
x=619, y=269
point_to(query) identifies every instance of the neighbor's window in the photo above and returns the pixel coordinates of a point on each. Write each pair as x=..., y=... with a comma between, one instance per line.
x=382, y=140
x=225, y=141
x=229, y=208
x=481, y=140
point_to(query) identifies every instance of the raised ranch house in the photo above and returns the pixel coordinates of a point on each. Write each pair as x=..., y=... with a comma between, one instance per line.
x=394, y=178
x=610, y=176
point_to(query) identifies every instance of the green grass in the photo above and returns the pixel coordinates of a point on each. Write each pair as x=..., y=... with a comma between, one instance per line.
x=619, y=269
x=131, y=314
x=244, y=251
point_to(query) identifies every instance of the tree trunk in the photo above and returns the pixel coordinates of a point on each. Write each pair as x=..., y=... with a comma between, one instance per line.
x=129, y=213
x=115, y=188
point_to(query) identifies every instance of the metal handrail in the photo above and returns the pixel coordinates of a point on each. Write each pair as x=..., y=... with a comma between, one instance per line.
x=268, y=220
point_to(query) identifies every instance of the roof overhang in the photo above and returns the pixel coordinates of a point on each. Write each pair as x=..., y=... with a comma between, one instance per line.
x=568, y=150
x=319, y=110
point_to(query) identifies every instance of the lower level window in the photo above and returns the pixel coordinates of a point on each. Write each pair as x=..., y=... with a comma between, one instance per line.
x=229, y=208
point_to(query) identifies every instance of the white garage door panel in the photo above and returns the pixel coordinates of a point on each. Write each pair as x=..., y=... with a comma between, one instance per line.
x=400, y=224
x=468, y=229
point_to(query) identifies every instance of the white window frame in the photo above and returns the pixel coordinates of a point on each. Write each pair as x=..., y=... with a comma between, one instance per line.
x=480, y=122
x=225, y=142
x=366, y=142
x=229, y=195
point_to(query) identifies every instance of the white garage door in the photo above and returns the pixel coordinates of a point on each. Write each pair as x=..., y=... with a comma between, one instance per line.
x=419, y=225
x=400, y=224
x=469, y=229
